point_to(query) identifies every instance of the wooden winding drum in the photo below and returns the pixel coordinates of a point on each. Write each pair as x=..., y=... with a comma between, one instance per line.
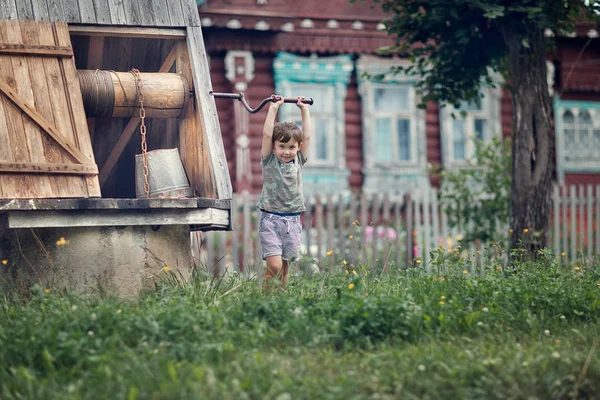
x=116, y=94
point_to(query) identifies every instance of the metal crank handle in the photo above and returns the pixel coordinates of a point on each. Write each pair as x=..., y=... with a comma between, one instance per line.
x=241, y=97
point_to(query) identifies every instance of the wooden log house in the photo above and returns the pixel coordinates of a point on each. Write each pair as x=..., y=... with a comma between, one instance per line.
x=372, y=136
x=73, y=75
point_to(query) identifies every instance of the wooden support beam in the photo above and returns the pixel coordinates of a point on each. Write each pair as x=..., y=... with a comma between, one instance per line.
x=47, y=168
x=44, y=124
x=81, y=218
x=37, y=50
x=133, y=32
x=110, y=203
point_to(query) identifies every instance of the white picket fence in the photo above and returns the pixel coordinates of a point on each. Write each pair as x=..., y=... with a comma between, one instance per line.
x=385, y=232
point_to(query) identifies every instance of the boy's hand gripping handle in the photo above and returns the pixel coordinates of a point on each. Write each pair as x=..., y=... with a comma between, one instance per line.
x=240, y=96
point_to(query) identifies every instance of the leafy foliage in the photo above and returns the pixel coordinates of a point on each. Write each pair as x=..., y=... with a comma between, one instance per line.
x=477, y=197
x=453, y=43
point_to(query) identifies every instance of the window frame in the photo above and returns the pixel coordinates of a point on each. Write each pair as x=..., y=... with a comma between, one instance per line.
x=565, y=165
x=490, y=112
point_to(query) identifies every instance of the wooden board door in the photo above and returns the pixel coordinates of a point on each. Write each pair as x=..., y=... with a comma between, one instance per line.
x=45, y=146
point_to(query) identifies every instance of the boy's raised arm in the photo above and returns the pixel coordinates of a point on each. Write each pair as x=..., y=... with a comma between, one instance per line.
x=306, y=126
x=267, y=141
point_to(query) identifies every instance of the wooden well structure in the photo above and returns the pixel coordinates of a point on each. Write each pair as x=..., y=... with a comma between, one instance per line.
x=71, y=74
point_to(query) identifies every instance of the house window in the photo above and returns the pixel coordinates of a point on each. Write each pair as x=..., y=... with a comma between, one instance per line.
x=394, y=140
x=393, y=112
x=461, y=126
x=577, y=136
x=325, y=79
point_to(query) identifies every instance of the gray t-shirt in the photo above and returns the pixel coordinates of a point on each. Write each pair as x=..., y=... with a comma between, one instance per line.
x=282, y=185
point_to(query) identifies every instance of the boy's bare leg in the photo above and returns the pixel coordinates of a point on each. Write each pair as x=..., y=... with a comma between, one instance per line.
x=274, y=269
x=285, y=270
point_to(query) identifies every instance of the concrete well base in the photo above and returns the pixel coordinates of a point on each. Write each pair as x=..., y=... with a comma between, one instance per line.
x=120, y=260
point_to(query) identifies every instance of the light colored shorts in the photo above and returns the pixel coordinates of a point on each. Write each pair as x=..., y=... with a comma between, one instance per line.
x=279, y=235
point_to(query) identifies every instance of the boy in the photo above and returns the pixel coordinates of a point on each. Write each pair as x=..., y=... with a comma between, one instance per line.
x=282, y=199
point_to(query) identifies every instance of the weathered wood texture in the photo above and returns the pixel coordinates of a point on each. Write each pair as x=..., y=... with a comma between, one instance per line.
x=107, y=204
x=207, y=114
x=42, y=121
x=105, y=12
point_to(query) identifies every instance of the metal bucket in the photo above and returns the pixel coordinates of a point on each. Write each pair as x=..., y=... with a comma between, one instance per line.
x=166, y=175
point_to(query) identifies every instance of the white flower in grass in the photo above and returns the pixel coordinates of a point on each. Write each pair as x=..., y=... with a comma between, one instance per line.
x=563, y=317
x=117, y=312
x=485, y=309
x=91, y=333
x=94, y=317
x=297, y=311
x=525, y=363
x=421, y=368
x=73, y=307
x=555, y=354
x=547, y=332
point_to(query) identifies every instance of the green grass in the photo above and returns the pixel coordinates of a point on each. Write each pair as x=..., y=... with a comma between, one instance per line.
x=529, y=332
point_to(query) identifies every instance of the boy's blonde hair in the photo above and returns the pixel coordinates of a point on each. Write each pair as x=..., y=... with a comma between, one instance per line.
x=284, y=131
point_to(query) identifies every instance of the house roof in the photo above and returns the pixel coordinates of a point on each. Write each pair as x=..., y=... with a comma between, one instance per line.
x=309, y=26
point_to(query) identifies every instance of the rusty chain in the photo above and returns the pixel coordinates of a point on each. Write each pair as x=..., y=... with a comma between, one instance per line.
x=136, y=73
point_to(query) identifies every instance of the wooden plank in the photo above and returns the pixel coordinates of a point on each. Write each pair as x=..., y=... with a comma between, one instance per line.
x=246, y=241
x=399, y=228
x=50, y=101
x=565, y=222
x=86, y=11
x=146, y=12
x=598, y=220
x=589, y=233
x=364, y=214
x=160, y=12
x=386, y=226
x=408, y=215
x=102, y=11
x=190, y=12
x=44, y=124
x=176, y=16
x=131, y=32
x=330, y=232
x=71, y=11
x=24, y=9
x=308, y=227
x=75, y=106
x=374, y=225
x=108, y=203
x=132, y=12
x=38, y=50
x=341, y=219
x=427, y=228
x=8, y=9
x=40, y=10
x=235, y=235
x=208, y=115
x=573, y=204
x=117, y=12
x=55, y=10
x=192, y=143
x=82, y=218
x=319, y=226
x=47, y=168
x=33, y=186
x=556, y=220
x=581, y=219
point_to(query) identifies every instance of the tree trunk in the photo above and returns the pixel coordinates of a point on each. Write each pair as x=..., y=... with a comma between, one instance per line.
x=533, y=144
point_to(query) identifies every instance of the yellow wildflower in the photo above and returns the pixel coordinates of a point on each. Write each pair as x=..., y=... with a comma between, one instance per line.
x=46, y=290
x=443, y=279
x=576, y=268
x=353, y=272
x=347, y=272
x=355, y=222
x=344, y=262
x=62, y=241
x=330, y=252
x=510, y=230
x=351, y=286
x=4, y=262
x=166, y=268
x=418, y=261
x=526, y=230
x=443, y=297
x=442, y=303
x=563, y=254
x=498, y=268
x=350, y=237
x=465, y=271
